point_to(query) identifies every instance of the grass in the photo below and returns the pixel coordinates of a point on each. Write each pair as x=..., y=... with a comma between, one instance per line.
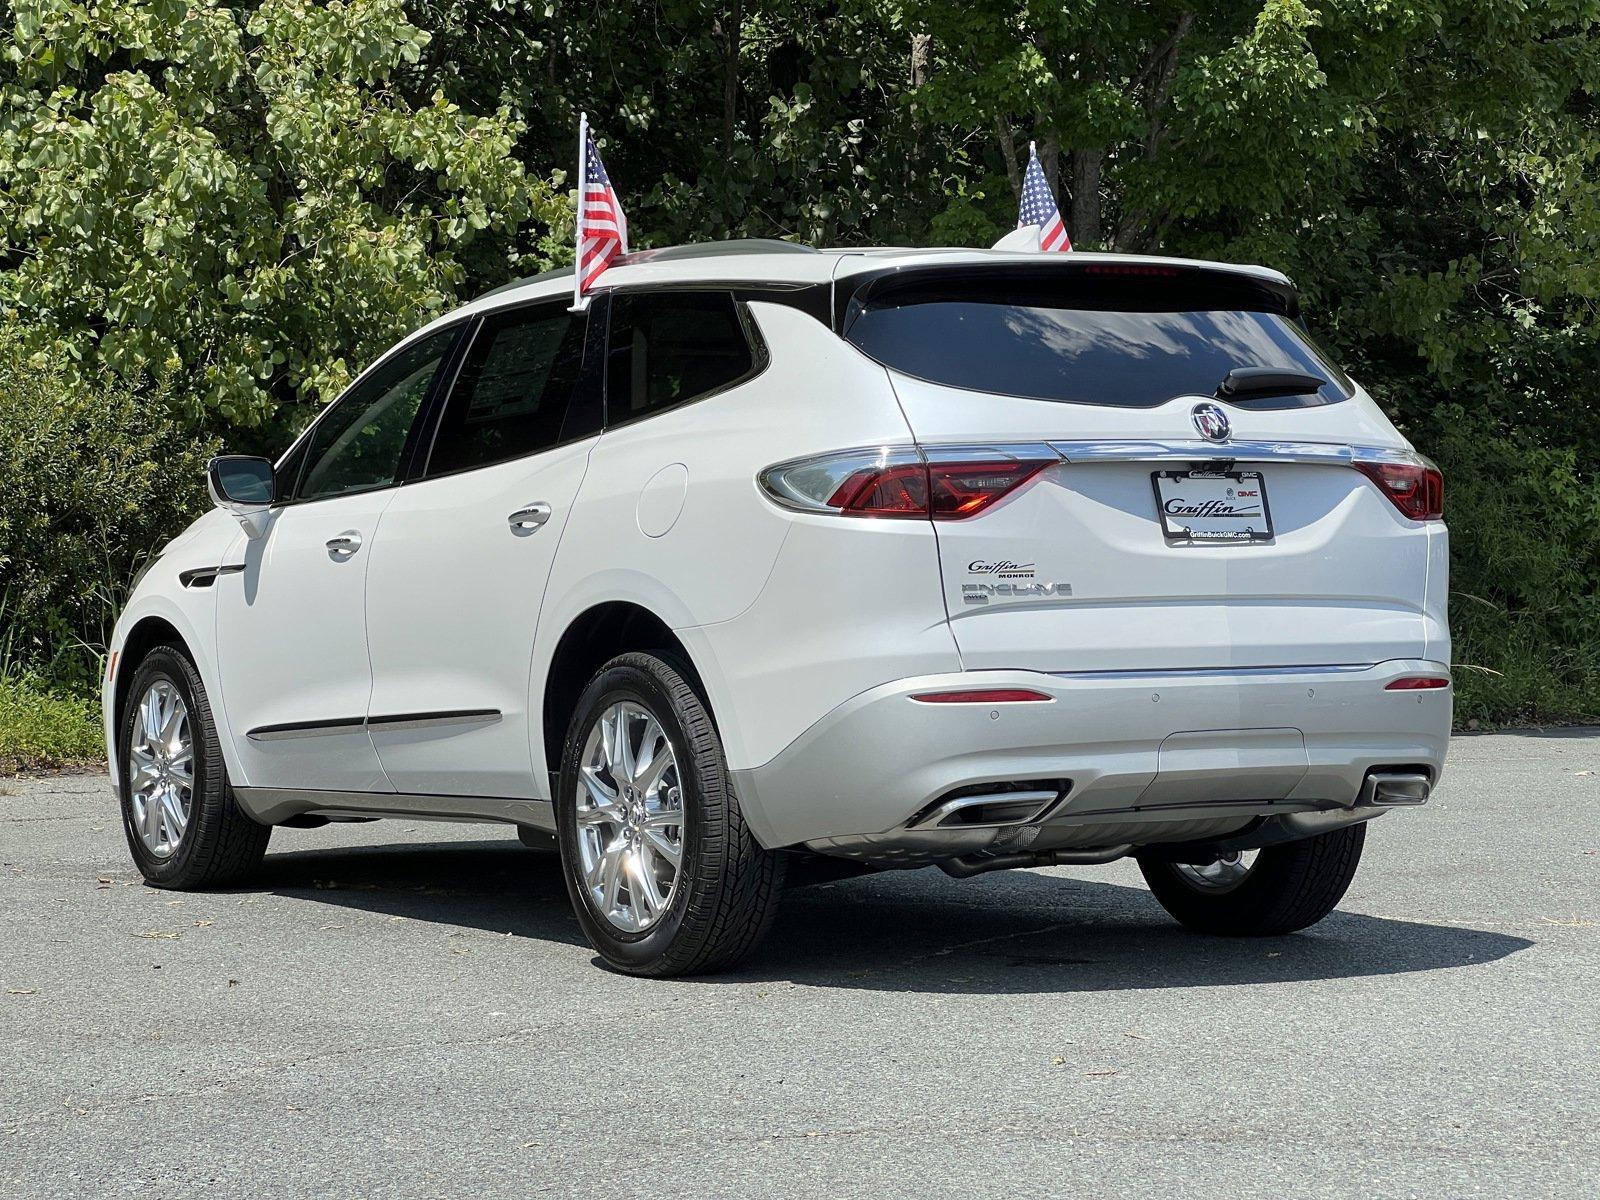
x=42, y=729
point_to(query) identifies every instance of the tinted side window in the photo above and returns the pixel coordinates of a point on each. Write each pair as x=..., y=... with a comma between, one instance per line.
x=359, y=444
x=512, y=395
x=668, y=348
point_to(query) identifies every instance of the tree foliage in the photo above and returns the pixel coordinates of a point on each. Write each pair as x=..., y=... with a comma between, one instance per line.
x=242, y=200
x=238, y=200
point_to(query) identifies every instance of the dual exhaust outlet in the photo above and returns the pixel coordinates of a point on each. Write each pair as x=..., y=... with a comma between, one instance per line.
x=999, y=805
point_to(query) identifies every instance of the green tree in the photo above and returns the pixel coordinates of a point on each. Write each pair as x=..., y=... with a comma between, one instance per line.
x=238, y=200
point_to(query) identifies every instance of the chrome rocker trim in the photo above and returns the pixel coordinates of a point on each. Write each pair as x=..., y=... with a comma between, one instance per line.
x=303, y=729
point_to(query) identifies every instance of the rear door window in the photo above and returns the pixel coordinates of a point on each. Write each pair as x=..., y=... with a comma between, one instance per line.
x=514, y=393
x=668, y=348
x=1132, y=343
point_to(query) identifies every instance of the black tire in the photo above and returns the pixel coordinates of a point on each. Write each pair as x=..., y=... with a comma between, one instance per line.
x=1289, y=887
x=220, y=845
x=727, y=886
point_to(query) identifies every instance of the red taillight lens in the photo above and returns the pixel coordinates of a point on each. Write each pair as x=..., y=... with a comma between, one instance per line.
x=983, y=696
x=945, y=491
x=1417, y=683
x=1416, y=489
x=890, y=491
x=962, y=489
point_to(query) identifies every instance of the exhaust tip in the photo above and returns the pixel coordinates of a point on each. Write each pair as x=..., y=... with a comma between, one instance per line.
x=1395, y=789
x=992, y=805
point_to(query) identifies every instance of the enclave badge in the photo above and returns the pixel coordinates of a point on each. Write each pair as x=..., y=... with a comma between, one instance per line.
x=1211, y=421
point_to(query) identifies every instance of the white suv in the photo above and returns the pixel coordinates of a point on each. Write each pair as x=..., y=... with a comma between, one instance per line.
x=959, y=558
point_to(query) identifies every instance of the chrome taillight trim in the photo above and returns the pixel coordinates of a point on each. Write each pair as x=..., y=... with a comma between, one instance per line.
x=774, y=484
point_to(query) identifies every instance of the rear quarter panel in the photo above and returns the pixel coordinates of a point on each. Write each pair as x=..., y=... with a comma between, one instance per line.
x=670, y=515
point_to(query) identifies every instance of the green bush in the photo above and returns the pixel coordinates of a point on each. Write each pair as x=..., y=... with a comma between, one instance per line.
x=40, y=728
x=1525, y=552
x=97, y=476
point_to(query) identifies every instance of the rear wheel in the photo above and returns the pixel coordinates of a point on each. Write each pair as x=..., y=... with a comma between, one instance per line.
x=183, y=826
x=1260, y=893
x=664, y=875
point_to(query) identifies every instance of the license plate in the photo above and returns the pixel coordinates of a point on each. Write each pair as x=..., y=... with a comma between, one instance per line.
x=1213, y=506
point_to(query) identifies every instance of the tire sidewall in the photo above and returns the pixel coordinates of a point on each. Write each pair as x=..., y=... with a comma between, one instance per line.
x=626, y=679
x=165, y=663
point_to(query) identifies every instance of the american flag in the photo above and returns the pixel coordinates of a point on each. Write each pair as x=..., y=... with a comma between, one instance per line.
x=1039, y=207
x=602, y=229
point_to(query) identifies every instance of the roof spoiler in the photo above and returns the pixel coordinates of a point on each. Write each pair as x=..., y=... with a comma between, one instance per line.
x=1090, y=276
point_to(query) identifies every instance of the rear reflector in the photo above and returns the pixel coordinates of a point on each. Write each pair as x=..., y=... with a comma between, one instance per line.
x=1417, y=683
x=1415, y=488
x=983, y=696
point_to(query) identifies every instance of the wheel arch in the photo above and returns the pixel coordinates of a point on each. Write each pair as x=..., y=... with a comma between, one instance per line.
x=592, y=638
x=149, y=632
x=162, y=623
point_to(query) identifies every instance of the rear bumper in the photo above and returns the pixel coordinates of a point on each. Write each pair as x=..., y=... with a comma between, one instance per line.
x=1180, y=755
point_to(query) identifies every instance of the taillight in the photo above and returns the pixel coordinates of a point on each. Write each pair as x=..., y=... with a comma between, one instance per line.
x=1415, y=488
x=943, y=485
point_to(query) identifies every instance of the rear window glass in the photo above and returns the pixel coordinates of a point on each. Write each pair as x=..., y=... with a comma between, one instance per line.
x=1131, y=343
x=668, y=348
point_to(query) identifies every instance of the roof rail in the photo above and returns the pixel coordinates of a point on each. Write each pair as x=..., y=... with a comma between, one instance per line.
x=671, y=254
x=716, y=249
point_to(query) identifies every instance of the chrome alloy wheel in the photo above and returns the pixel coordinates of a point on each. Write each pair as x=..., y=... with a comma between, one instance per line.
x=1227, y=873
x=629, y=817
x=161, y=768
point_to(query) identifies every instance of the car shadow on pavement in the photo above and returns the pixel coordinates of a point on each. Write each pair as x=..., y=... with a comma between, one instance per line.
x=499, y=886
x=916, y=931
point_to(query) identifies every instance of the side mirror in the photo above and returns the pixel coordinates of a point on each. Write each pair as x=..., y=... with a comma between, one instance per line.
x=242, y=485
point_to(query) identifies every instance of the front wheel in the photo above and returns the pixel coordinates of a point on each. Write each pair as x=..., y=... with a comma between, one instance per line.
x=183, y=826
x=1260, y=893
x=664, y=875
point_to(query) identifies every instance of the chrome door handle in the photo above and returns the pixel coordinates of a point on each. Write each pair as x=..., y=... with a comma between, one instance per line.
x=346, y=544
x=526, y=520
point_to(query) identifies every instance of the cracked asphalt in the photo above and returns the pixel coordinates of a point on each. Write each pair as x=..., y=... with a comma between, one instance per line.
x=405, y=1009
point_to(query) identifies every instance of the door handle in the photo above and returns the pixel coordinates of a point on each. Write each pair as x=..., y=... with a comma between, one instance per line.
x=526, y=520
x=342, y=547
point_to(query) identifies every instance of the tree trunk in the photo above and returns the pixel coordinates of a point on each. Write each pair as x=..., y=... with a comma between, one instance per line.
x=1008, y=151
x=1049, y=156
x=921, y=50
x=1139, y=229
x=1085, y=227
x=730, y=77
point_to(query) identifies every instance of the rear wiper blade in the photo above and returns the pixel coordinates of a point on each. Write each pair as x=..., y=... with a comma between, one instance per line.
x=1267, y=381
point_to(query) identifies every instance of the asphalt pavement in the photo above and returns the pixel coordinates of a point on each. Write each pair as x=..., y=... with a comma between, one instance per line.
x=406, y=1009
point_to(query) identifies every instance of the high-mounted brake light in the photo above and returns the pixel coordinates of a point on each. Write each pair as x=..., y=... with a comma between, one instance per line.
x=940, y=485
x=1417, y=683
x=1415, y=488
x=983, y=696
x=1131, y=269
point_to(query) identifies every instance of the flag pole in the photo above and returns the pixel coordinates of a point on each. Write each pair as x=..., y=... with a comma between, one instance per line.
x=577, y=250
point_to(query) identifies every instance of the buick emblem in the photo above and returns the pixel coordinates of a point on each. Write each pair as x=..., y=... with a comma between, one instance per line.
x=1211, y=421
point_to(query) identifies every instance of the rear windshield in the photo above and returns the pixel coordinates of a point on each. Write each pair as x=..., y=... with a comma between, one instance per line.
x=1134, y=343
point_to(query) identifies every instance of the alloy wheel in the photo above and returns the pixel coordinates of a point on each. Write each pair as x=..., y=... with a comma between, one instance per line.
x=629, y=817
x=161, y=768
x=1227, y=873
